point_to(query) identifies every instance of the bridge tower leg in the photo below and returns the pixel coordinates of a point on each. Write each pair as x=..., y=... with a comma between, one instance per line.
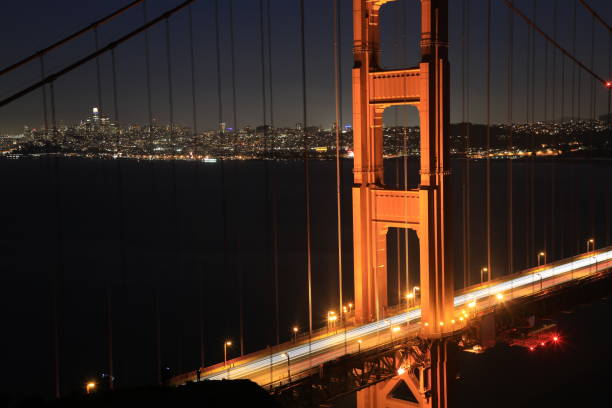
x=376, y=208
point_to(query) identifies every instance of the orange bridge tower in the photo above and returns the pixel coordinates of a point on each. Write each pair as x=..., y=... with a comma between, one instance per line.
x=375, y=207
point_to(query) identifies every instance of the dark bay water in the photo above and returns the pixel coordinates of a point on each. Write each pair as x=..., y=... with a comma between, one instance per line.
x=175, y=238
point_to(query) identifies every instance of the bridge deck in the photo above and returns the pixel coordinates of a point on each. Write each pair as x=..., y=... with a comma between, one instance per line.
x=270, y=366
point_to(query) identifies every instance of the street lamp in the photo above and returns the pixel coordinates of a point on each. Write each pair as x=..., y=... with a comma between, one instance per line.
x=409, y=299
x=288, y=366
x=331, y=319
x=500, y=296
x=591, y=244
x=541, y=255
x=394, y=329
x=472, y=305
x=414, y=289
x=483, y=270
x=350, y=305
x=90, y=387
x=359, y=345
x=227, y=344
x=295, y=331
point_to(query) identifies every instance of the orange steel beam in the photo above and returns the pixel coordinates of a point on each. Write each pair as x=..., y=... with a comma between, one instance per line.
x=376, y=208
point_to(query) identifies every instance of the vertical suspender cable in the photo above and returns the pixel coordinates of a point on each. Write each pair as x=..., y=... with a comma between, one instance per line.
x=44, y=96
x=607, y=199
x=575, y=102
x=239, y=271
x=269, y=238
x=509, y=147
x=177, y=235
x=201, y=315
x=532, y=248
x=55, y=292
x=218, y=51
x=464, y=6
x=223, y=175
x=151, y=145
x=306, y=165
x=405, y=155
x=59, y=272
x=488, y=141
x=399, y=24
x=553, y=167
x=273, y=181
x=233, y=56
x=193, y=78
x=593, y=98
x=527, y=190
x=122, y=253
x=593, y=101
x=573, y=53
x=533, y=61
x=468, y=211
x=98, y=80
x=546, y=219
x=337, y=85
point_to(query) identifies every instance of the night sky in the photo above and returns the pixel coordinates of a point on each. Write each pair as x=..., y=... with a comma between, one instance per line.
x=33, y=24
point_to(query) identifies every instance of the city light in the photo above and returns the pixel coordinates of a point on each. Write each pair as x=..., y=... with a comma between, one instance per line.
x=499, y=296
x=401, y=371
x=395, y=329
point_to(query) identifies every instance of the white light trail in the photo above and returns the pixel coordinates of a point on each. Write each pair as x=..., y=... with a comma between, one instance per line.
x=320, y=345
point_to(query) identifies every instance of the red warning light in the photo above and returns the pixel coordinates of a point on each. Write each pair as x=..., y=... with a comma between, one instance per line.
x=542, y=344
x=608, y=84
x=531, y=348
x=555, y=338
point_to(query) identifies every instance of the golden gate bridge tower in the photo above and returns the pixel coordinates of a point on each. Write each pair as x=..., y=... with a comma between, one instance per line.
x=425, y=209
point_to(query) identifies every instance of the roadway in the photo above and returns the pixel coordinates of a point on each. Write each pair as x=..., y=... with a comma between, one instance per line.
x=272, y=365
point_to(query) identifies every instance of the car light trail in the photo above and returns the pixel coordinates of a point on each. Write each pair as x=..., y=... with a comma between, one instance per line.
x=356, y=333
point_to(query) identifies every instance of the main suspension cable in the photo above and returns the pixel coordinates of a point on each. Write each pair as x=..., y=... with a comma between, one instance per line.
x=92, y=26
x=543, y=34
x=52, y=77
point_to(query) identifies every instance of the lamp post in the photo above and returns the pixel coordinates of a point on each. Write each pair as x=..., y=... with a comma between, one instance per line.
x=409, y=299
x=288, y=366
x=359, y=345
x=394, y=329
x=541, y=255
x=483, y=270
x=590, y=244
x=350, y=306
x=472, y=305
x=227, y=344
x=295, y=332
x=90, y=387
